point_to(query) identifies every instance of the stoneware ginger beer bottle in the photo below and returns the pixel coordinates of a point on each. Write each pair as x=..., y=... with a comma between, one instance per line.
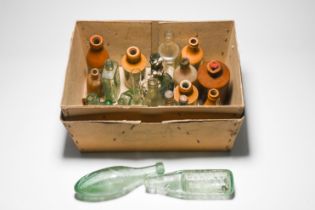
x=193, y=52
x=213, y=74
x=97, y=54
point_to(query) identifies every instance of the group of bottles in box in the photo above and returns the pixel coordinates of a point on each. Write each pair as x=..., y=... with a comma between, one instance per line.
x=176, y=77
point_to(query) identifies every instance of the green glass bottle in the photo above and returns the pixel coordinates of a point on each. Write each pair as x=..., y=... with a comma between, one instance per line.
x=92, y=99
x=111, y=80
x=193, y=184
x=113, y=182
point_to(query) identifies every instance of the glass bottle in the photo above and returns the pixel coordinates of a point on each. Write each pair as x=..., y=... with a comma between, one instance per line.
x=92, y=99
x=113, y=182
x=169, y=50
x=193, y=52
x=214, y=74
x=133, y=63
x=185, y=71
x=169, y=98
x=93, y=82
x=213, y=97
x=186, y=88
x=193, y=184
x=97, y=53
x=152, y=94
x=111, y=80
x=157, y=70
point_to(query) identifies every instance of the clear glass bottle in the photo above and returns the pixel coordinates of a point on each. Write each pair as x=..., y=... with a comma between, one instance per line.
x=152, y=93
x=193, y=184
x=185, y=71
x=157, y=70
x=169, y=98
x=113, y=182
x=169, y=50
x=111, y=80
x=93, y=82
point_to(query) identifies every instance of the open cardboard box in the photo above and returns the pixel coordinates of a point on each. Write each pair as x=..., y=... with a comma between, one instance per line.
x=141, y=128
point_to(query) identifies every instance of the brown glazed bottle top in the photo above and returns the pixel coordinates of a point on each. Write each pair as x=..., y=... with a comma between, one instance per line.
x=213, y=96
x=96, y=42
x=213, y=74
x=133, y=61
x=185, y=87
x=192, y=51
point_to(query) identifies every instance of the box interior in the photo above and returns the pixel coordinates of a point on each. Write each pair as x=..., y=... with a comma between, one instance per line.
x=218, y=39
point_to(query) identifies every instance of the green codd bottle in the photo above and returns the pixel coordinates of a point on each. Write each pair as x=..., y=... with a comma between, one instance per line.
x=193, y=184
x=113, y=182
x=111, y=80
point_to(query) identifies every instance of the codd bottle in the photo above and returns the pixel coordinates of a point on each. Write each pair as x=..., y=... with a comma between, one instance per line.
x=169, y=50
x=111, y=80
x=157, y=70
x=193, y=184
x=113, y=182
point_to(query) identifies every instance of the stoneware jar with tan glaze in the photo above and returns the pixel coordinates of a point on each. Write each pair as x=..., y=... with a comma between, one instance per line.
x=213, y=97
x=193, y=52
x=186, y=88
x=97, y=54
x=213, y=74
x=93, y=82
x=133, y=63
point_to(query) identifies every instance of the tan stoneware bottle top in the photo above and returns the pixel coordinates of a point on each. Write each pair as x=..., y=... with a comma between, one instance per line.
x=185, y=87
x=97, y=54
x=193, y=52
x=96, y=42
x=95, y=73
x=213, y=96
x=188, y=89
x=133, y=61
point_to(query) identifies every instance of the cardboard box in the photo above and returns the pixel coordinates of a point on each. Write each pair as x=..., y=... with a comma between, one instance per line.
x=140, y=128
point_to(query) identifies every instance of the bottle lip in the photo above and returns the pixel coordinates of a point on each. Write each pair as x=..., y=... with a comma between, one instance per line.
x=160, y=168
x=96, y=42
x=193, y=42
x=185, y=87
x=94, y=72
x=214, y=67
x=133, y=54
x=213, y=94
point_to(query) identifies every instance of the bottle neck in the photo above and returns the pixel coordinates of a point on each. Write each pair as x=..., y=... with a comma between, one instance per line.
x=157, y=169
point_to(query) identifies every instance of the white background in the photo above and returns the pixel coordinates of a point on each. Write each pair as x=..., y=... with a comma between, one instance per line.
x=273, y=160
